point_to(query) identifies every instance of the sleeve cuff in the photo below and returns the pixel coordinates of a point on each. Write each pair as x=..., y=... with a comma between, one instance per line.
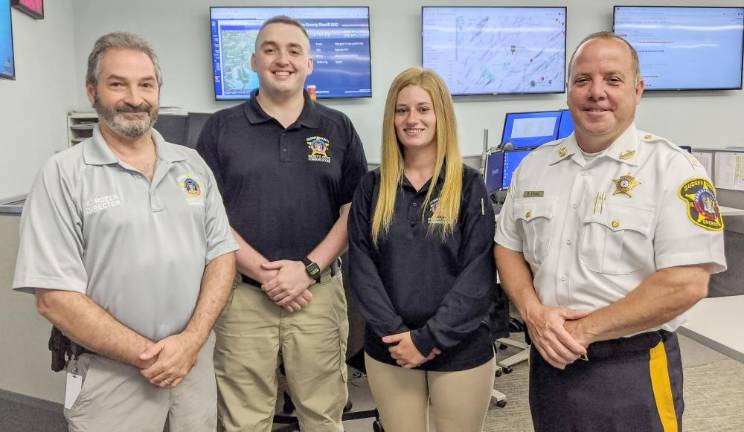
x=718, y=262
x=221, y=249
x=423, y=340
x=515, y=245
x=30, y=284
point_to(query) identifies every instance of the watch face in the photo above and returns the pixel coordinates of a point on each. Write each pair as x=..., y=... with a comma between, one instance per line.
x=313, y=270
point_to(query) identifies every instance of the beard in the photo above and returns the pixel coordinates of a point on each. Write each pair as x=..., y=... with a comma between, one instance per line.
x=115, y=119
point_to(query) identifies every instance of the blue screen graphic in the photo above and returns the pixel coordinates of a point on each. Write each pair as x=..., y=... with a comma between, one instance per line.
x=494, y=171
x=339, y=45
x=566, y=127
x=512, y=159
x=7, y=62
x=531, y=129
x=685, y=48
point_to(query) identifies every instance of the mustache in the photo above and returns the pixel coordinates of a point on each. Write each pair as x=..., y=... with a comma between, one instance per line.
x=144, y=107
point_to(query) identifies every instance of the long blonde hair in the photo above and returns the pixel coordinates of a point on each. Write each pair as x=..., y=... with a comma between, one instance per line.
x=448, y=150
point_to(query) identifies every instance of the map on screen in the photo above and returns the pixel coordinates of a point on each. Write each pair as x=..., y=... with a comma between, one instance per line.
x=339, y=44
x=7, y=63
x=496, y=50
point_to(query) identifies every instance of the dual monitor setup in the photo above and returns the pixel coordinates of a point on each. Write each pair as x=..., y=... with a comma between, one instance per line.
x=523, y=132
x=487, y=50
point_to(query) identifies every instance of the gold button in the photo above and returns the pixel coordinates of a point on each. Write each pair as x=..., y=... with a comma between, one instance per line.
x=647, y=137
x=615, y=223
x=528, y=214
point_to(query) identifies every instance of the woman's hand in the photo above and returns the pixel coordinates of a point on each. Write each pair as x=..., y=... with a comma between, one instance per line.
x=404, y=351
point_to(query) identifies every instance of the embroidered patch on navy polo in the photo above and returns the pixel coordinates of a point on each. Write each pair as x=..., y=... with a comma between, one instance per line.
x=319, y=149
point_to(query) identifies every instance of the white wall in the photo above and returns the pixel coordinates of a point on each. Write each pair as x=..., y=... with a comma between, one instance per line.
x=179, y=30
x=33, y=107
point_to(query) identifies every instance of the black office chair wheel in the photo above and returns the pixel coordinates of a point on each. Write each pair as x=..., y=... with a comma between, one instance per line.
x=508, y=370
x=349, y=405
x=498, y=372
x=501, y=403
x=377, y=426
x=502, y=347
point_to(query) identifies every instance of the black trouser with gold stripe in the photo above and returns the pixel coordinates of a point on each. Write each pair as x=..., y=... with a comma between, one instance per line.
x=628, y=384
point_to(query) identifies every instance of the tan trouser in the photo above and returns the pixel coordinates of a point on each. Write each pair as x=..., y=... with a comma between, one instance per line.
x=115, y=397
x=251, y=332
x=459, y=400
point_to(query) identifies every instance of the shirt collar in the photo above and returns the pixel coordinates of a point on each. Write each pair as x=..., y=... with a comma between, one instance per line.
x=97, y=152
x=624, y=149
x=309, y=116
x=440, y=180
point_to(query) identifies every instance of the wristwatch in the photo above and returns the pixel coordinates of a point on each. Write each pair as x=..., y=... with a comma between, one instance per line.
x=312, y=269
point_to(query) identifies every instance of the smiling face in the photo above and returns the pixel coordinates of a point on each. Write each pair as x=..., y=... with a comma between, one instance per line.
x=126, y=93
x=415, y=120
x=282, y=59
x=602, y=92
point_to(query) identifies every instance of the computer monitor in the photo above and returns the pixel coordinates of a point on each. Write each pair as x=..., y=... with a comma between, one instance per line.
x=339, y=42
x=512, y=159
x=566, y=127
x=7, y=60
x=685, y=48
x=494, y=171
x=530, y=129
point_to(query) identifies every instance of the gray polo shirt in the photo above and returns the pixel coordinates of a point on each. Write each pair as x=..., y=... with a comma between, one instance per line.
x=95, y=225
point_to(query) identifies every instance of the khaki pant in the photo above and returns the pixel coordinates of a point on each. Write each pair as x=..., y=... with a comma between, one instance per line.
x=253, y=330
x=115, y=397
x=459, y=400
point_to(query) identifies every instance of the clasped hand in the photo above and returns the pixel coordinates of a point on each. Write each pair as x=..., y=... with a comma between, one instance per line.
x=404, y=351
x=170, y=359
x=288, y=284
x=549, y=330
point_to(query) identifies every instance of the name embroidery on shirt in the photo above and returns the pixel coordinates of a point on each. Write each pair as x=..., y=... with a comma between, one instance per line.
x=319, y=149
x=193, y=189
x=94, y=205
x=434, y=219
x=702, y=205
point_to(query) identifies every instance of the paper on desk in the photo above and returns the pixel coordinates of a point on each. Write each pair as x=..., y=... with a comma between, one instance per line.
x=729, y=171
x=706, y=160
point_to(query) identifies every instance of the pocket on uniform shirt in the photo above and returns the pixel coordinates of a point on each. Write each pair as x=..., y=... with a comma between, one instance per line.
x=535, y=217
x=618, y=240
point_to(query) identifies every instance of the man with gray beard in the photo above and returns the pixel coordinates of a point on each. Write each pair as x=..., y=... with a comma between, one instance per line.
x=126, y=245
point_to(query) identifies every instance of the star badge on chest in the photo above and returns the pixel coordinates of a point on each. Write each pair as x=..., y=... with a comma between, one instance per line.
x=625, y=185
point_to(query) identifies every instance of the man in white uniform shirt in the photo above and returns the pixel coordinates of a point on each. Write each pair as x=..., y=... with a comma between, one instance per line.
x=606, y=238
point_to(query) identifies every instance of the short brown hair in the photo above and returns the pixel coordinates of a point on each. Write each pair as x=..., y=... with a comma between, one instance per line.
x=609, y=35
x=119, y=40
x=283, y=19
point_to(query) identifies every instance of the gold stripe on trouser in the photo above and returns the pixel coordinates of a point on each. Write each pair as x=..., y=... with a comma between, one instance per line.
x=459, y=399
x=662, y=387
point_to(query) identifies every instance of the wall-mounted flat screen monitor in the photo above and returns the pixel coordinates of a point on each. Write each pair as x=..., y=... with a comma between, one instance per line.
x=7, y=60
x=494, y=172
x=566, y=126
x=512, y=159
x=685, y=48
x=531, y=129
x=339, y=45
x=496, y=50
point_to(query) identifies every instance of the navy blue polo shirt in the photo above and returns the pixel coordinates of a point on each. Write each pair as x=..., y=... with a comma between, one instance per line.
x=283, y=188
x=438, y=289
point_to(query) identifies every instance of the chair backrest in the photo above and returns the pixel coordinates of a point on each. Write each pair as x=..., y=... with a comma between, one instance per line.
x=194, y=126
x=172, y=127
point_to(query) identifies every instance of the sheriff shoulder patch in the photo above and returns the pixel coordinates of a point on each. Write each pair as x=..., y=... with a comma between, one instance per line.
x=702, y=206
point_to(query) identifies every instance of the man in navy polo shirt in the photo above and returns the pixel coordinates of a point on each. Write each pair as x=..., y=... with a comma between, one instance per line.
x=287, y=168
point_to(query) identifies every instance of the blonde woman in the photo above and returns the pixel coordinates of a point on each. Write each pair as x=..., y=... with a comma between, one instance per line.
x=421, y=266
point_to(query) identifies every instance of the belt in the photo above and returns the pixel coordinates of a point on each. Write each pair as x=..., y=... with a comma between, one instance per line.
x=634, y=344
x=332, y=270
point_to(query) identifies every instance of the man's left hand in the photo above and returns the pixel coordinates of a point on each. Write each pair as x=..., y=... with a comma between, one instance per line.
x=176, y=355
x=576, y=329
x=289, y=283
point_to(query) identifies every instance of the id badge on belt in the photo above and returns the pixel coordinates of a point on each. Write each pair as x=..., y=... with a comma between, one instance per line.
x=74, y=383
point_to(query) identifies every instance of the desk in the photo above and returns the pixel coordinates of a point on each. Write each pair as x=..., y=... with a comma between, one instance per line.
x=717, y=323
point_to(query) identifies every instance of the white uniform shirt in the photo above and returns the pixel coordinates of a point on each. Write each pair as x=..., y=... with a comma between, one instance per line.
x=593, y=231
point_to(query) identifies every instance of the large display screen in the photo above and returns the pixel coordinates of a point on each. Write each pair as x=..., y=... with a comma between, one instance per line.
x=496, y=50
x=339, y=44
x=7, y=61
x=685, y=48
